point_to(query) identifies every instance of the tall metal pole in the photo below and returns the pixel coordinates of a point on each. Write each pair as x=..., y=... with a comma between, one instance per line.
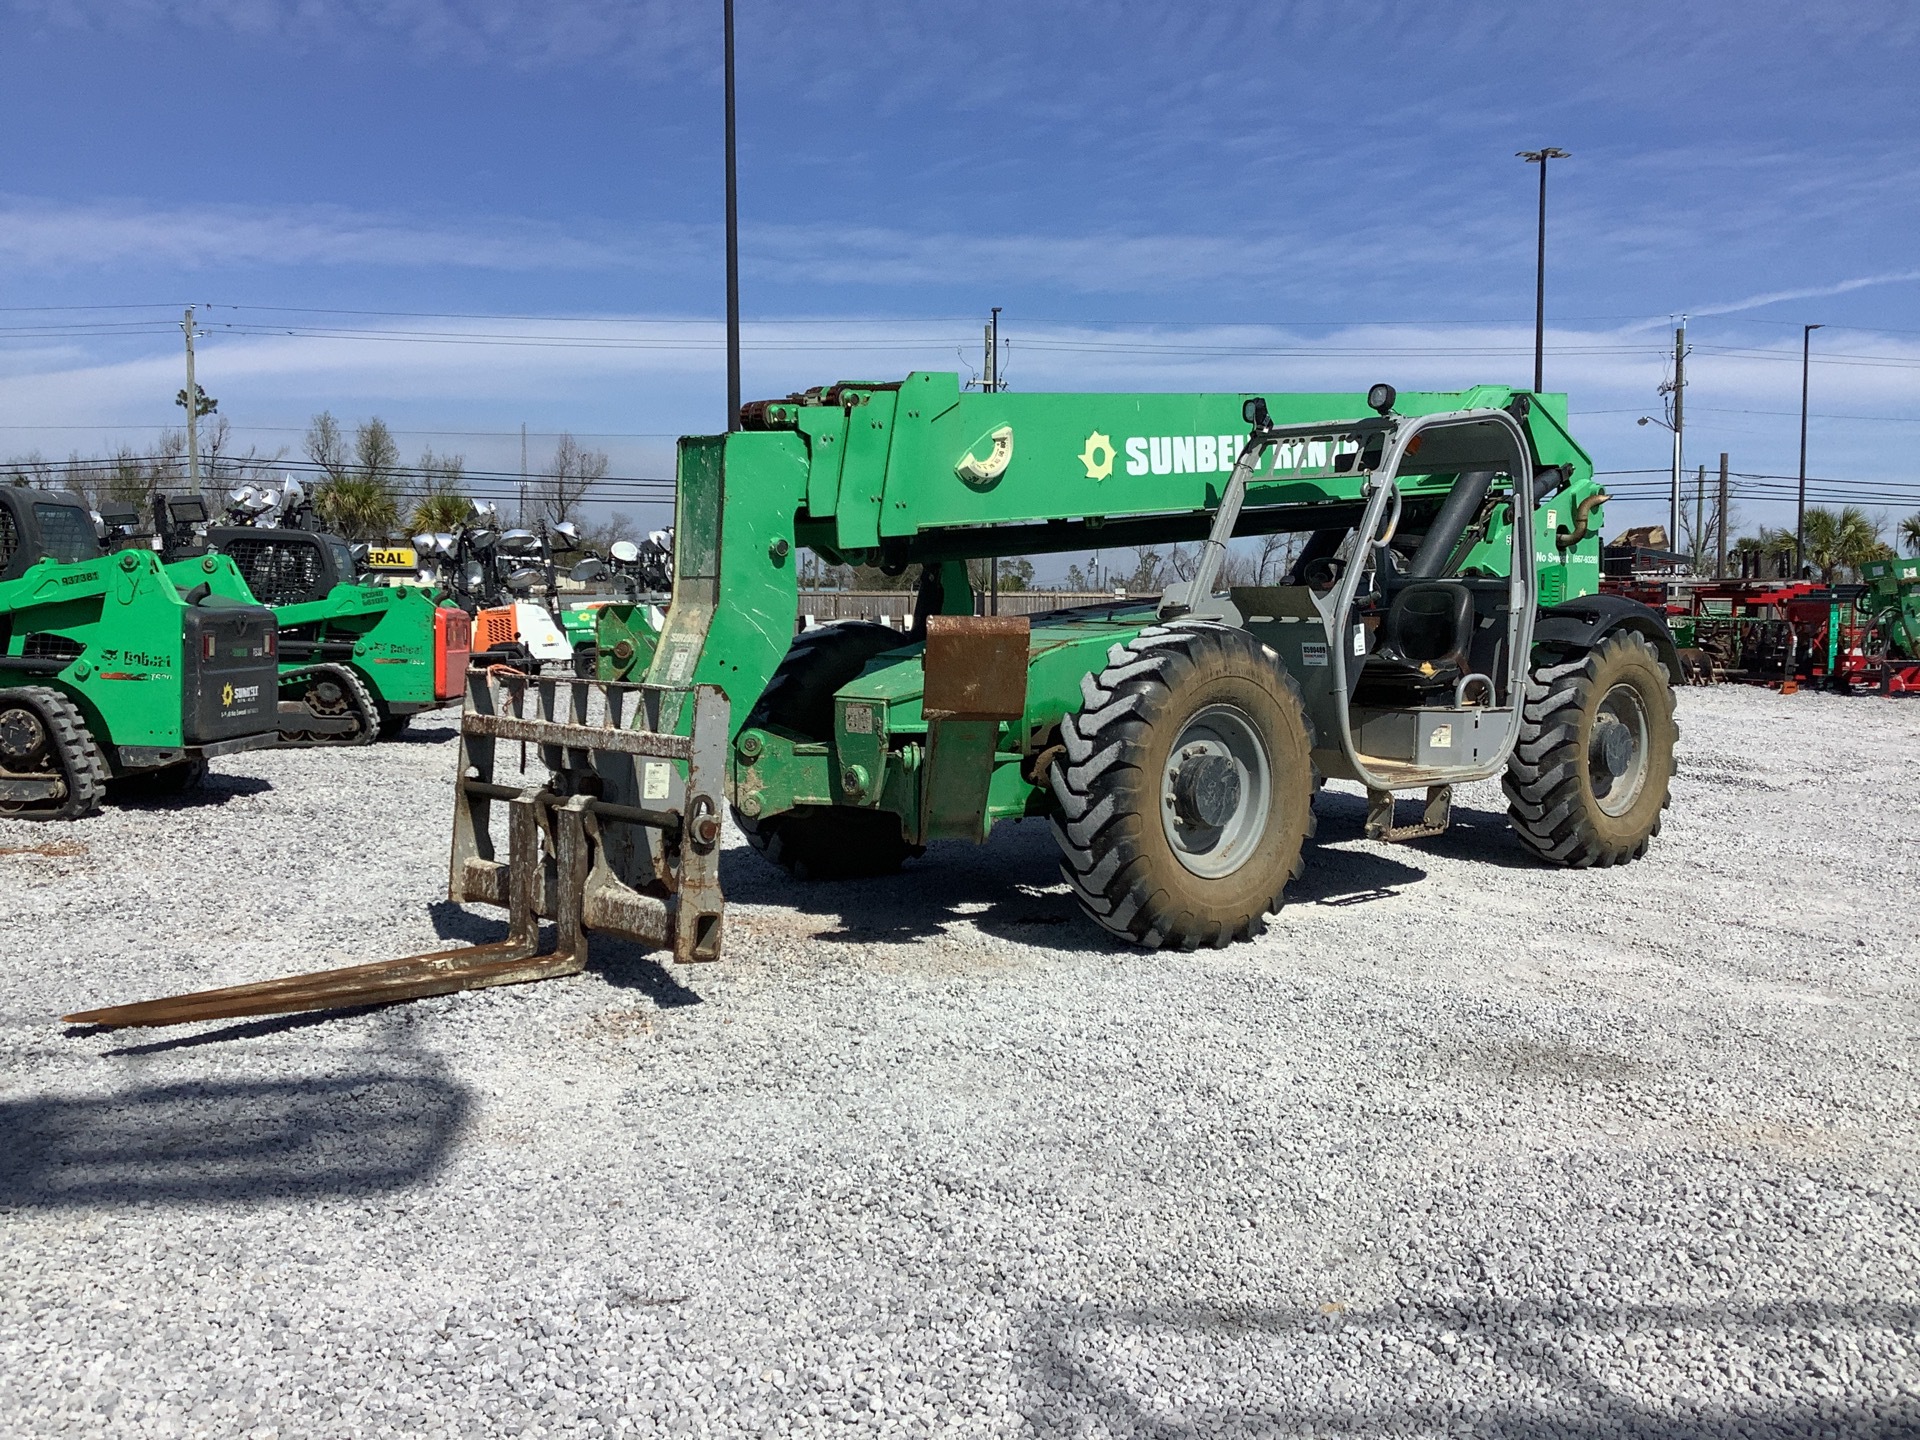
x=1679, y=427
x=991, y=383
x=1699, y=546
x=1720, y=559
x=1800, y=506
x=193, y=412
x=1540, y=158
x=733, y=246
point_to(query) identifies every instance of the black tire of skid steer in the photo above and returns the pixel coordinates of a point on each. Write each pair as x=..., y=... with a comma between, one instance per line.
x=824, y=842
x=1551, y=801
x=73, y=744
x=1116, y=854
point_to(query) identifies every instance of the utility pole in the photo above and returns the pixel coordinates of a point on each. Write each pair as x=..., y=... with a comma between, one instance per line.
x=1800, y=506
x=193, y=413
x=1699, y=546
x=733, y=245
x=1679, y=425
x=1720, y=558
x=1540, y=158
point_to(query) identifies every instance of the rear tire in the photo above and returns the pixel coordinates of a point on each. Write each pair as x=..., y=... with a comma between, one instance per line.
x=1185, y=795
x=824, y=842
x=1588, y=779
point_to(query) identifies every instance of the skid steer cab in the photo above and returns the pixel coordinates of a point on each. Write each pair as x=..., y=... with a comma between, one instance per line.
x=1436, y=624
x=112, y=672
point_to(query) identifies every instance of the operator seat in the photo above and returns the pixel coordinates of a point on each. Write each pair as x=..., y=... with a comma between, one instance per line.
x=1423, y=645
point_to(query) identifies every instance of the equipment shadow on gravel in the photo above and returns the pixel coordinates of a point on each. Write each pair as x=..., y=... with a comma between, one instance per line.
x=214, y=791
x=621, y=963
x=1066, y=1379
x=1482, y=837
x=230, y=1142
x=1009, y=887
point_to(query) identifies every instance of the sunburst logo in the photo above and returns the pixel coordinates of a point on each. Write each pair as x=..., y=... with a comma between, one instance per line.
x=1098, y=456
x=226, y=696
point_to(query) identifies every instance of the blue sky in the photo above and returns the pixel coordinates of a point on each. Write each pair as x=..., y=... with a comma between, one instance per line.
x=1288, y=197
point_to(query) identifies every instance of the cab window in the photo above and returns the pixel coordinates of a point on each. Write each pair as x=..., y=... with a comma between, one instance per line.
x=66, y=533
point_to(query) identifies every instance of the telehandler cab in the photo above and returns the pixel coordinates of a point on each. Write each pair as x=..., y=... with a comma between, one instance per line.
x=1441, y=626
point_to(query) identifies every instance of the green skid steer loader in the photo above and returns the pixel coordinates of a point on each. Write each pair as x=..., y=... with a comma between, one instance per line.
x=358, y=659
x=110, y=671
x=1441, y=626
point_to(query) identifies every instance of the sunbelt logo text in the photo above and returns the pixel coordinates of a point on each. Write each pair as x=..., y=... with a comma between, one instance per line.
x=1209, y=454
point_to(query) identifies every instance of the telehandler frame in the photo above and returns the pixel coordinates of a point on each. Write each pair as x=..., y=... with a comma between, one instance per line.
x=1439, y=627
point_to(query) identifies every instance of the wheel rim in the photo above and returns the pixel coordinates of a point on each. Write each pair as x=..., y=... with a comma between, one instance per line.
x=1617, y=750
x=1215, y=792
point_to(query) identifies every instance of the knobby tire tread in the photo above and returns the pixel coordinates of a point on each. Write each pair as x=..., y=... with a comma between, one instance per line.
x=1096, y=783
x=1548, y=803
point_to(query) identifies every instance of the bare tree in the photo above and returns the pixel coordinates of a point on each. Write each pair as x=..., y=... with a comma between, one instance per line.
x=326, y=445
x=1149, y=569
x=1275, y=557
x=563, y=484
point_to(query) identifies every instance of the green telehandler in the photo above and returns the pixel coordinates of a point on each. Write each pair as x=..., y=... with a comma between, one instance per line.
x=110, y=671
x=1441, y=625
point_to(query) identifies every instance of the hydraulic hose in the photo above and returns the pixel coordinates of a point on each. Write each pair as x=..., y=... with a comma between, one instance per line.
x=1456, y=511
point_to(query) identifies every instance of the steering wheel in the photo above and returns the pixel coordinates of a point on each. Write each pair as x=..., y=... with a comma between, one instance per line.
x=1322, y=574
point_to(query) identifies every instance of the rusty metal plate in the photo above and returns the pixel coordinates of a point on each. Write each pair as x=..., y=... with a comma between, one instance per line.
x=976, y=667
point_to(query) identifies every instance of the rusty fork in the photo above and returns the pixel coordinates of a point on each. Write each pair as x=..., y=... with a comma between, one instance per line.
x=665, y=893
x=511, y=961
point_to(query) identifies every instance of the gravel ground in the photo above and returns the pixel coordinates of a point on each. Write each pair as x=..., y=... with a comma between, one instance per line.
x=1465, y=1145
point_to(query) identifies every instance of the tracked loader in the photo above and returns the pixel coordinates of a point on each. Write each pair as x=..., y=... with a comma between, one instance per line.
x=110, y=671
x=1441, y=626
x=358, y=659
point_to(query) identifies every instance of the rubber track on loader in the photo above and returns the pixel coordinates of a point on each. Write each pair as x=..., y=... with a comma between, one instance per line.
x=73, y=747
x=359, y=697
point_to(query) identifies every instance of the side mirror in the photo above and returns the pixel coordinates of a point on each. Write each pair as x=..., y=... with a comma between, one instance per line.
x=1254, y=412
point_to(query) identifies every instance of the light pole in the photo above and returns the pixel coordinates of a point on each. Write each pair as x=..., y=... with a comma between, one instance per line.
x=1800, y=507
x=1540, y=158
x=733, y=244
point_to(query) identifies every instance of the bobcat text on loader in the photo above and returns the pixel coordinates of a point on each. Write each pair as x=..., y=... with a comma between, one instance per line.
x=1441, y=625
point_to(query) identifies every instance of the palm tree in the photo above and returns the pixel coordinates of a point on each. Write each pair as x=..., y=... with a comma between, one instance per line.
x=445, y=510
x=357, y=508
x=1841, y=541
x=1910, y=532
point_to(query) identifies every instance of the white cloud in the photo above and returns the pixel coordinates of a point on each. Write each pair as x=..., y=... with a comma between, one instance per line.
x=46, y=236
x=640, y=380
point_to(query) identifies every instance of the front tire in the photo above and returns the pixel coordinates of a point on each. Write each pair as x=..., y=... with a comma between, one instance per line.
x=1588, y=780
x=1185, y=795
x=824, y=842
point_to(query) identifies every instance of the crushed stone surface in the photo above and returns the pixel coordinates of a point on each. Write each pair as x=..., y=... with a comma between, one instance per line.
x=1465, y=1145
